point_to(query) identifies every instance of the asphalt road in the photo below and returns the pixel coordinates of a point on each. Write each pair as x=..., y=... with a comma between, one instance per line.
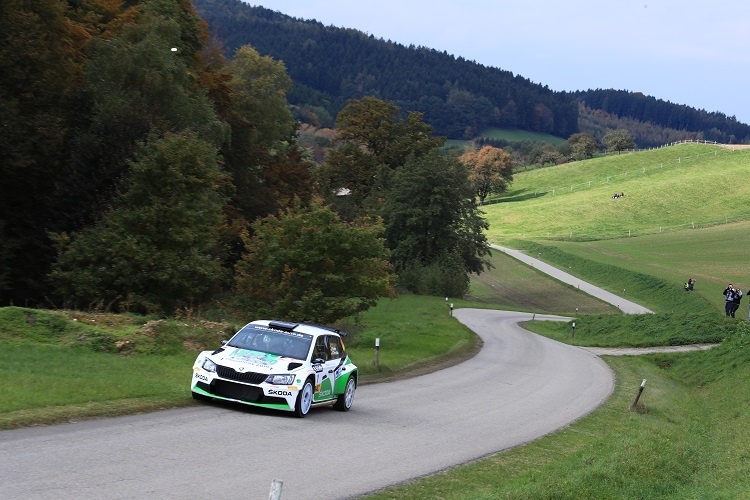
x=521, y=386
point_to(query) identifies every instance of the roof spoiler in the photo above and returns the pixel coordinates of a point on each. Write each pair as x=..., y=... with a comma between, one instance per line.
x=281, y=325
x=289, y=327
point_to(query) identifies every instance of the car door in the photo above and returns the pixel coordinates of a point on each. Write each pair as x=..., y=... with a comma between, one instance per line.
x=336, y=349
x=325, y=378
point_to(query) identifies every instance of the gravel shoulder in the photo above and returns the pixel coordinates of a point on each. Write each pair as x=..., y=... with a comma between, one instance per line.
x=636, y=351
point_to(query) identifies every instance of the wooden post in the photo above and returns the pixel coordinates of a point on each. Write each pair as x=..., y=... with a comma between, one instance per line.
x=638, y=395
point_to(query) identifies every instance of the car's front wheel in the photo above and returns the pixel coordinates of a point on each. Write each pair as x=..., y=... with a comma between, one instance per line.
x=345, y=400
x=304, y=399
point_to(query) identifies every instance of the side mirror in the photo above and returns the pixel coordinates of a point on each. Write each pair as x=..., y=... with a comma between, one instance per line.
x=318, y=361
x=224, y=342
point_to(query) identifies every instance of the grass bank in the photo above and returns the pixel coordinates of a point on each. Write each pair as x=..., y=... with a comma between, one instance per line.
x=687, y=438
x=714, y=256
x=58, y=366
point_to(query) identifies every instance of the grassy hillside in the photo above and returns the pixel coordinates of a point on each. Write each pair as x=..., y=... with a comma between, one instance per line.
x=667, y=189
x=511, y=285
x=662, y=245
x=714, y=256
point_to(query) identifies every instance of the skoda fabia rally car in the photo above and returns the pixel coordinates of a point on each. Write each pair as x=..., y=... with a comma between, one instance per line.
x=285, y=366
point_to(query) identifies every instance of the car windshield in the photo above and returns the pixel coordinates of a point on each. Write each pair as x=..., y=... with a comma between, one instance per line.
x=263, y=339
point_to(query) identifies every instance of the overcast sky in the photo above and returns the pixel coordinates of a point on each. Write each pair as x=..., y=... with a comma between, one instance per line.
x=683, y=51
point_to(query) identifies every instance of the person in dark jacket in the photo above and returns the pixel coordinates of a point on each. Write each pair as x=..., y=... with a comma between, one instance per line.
x=736, y=300
x=728, y=299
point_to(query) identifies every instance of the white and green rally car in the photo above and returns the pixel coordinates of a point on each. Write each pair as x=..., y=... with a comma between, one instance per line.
x=285, y=366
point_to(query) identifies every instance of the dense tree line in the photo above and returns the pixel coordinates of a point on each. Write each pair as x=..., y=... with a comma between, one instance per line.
x=141, y=171
x=329, y=65
x=646, y=134
x=133, y=156
x=459, y=98
x=713, y=126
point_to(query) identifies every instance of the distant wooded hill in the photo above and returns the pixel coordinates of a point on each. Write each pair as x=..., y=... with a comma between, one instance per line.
x=459, y=98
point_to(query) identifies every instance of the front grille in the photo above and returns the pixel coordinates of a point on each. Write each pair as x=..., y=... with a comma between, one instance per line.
x=246, y=377
x=226, y=389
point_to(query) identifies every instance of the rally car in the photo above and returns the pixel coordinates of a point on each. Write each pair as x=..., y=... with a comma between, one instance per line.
x=273, y=364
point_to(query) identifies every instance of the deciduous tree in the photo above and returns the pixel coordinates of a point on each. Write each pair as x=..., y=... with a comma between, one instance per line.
x=376, y=142
x=40, y=61
x=306, y=264
x=619, y=140
x=267, y=166
x=489, y=169
x=580, y=146
x=429, y=214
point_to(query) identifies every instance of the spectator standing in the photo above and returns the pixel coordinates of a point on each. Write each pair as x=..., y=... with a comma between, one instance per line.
x=737, y=297
x=728, y=299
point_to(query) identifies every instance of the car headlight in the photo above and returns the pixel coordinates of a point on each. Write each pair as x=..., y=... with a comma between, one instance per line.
x=209, y=366
x=286, y=379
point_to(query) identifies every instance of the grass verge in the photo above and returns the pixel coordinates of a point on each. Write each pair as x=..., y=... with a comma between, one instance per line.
x=687, y=438
x=58, y=366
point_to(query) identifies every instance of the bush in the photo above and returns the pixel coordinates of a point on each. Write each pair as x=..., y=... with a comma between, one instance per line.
x=445, y=277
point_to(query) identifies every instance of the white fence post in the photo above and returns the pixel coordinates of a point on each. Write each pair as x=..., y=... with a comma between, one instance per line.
x=275, y=493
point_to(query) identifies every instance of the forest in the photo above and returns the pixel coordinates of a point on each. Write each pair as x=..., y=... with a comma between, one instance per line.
x=459, y=98
x=142, y=171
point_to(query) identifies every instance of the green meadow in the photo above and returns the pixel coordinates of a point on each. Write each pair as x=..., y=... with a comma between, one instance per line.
x=515, y=135
x=669, y=189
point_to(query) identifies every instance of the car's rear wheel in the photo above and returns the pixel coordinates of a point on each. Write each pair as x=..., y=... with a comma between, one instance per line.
x=304, y=399
x=345, y=400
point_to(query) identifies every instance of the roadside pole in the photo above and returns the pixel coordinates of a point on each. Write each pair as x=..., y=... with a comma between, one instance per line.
x=377, y=353
x=275, y=493
x=638, y=395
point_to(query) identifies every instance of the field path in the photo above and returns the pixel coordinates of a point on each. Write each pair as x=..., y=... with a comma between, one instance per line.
x=626, y=306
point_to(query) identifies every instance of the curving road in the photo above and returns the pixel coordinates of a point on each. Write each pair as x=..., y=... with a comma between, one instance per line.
x=519, y=387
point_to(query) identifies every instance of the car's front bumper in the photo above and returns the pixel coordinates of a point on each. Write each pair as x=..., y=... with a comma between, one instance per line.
x=265, y=395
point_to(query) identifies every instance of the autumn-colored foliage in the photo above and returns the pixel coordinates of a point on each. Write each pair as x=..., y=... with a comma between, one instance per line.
x=490, y=171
